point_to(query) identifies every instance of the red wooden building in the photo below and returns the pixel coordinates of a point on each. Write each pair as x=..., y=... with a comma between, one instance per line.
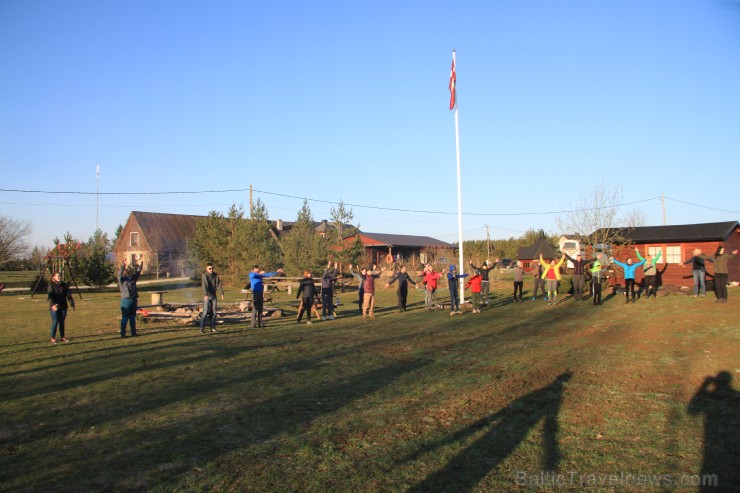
x=403, y=248
x=676, y=245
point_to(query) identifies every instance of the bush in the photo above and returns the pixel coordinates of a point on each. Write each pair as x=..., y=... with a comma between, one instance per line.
x=566, y=285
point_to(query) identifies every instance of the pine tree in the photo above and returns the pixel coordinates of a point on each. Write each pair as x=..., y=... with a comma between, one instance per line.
x=302, y=246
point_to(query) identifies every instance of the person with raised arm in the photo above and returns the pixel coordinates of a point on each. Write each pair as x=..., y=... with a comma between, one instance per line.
x=360, y=276
x=327, y=291
x=454, y=286
x=258, y=293
x=127, y=277
x=431, y=277
x=485, y=284
x=402, y=292
x=368, y=287
x=551, y=275
x=721, y=273
x=699, y=271
x=629, y=277
x=579, y=270
x=650, y=272
x=306, y=293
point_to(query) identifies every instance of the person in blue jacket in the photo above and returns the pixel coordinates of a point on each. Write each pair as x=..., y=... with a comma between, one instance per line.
x=629, y=277
x=452, y=281
x=258, y=291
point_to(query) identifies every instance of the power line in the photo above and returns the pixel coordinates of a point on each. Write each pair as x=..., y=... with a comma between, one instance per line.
x=335, y=203
x=702, y=206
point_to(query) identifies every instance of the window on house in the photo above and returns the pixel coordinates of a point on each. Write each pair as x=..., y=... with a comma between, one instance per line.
x=654, y=251
x=134, y=239
x=673, y=255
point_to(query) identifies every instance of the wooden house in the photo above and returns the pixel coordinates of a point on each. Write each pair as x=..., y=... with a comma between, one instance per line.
x=527, y=255
x=390, y=248
x=676, y=244
x=160, y=240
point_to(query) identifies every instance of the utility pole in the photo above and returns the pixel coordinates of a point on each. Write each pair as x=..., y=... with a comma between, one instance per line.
x=250, y=201
x=488, y=244
x=662, y=198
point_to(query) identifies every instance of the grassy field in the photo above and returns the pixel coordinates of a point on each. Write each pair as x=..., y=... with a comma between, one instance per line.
x=522, y=397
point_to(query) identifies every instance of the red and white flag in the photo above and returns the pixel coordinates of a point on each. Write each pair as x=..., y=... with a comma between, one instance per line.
x=453, y=81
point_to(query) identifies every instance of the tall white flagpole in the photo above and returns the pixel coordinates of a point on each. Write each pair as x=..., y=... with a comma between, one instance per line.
x=459, y=186
x=97, y=196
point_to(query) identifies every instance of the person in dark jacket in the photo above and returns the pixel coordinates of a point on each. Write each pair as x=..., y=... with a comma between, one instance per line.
x=579, y=270
x=58, y=295
x=699, y=271
x=360, y=276
x=403, y=287
x=306, y=293
x=485, y=284
x=721, y=273
x=211, y=284
x=127, y=277
x=454, y=286
x=327, y=291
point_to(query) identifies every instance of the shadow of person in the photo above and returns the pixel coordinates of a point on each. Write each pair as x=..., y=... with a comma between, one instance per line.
x=508, y=428
x=720, y=405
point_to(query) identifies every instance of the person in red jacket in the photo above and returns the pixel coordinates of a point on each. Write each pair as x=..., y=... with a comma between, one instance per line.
x=474, y=283
x=430, y=286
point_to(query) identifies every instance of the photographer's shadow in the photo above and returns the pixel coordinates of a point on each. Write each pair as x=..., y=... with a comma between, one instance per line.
x=506, y=429
x=720, y=404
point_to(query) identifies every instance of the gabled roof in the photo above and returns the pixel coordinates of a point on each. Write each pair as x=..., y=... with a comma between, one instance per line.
x=679, y=232
x=383, y=239
x=540, y=247
x=166, y=232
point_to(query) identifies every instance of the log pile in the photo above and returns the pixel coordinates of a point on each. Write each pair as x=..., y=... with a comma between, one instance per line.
x=190, y=314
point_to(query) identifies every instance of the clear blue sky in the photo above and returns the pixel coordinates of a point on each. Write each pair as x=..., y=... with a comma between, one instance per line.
x=348, y=100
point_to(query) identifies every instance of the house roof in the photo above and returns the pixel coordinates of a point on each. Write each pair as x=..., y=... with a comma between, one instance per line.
x=540, y=247
x=383, y=239
x=166, y=232
x=680, y=232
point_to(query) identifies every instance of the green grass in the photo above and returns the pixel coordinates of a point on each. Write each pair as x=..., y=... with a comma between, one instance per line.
x=415, y=401
x=17, y=279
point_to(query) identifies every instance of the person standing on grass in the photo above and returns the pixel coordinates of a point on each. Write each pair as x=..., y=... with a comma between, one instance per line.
x=539, y=282
x=306, y=293
x=579, y=269
x=258, y=293
x=368, y=287
x=551, y=275
x=58, y=295
x=453, y=284
x=721, y=273
x=127, y=277
x=211, y=283
x=629, y=277
x=699, y=271
x=474, y=283
x=430, y=286
x=596, y=278
x=518, y=281
x=327, y=291
x=403, y=287
x=650, y=272
x=360, y=276
x=485, y=284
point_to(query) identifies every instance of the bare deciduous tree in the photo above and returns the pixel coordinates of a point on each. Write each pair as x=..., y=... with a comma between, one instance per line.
x=13, y=234
x=594, y=217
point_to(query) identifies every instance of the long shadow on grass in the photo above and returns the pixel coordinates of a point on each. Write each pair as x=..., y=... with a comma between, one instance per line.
x=507, y=429
x=161, y=452
x=720, y=405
